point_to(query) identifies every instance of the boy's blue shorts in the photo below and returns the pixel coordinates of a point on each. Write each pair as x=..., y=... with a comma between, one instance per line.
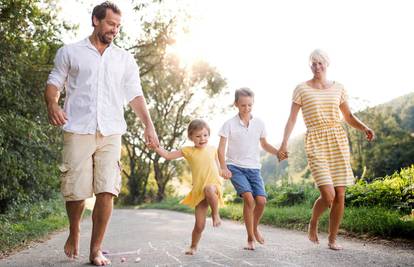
x=247, y=180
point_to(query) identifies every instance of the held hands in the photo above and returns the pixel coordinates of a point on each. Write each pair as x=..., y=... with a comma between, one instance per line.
x=151, y=138
x=282, y=153
x=57, y=116
x=226, y=173
x=370, y=135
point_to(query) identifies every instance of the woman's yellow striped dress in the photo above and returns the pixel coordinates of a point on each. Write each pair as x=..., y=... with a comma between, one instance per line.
x=326, y=143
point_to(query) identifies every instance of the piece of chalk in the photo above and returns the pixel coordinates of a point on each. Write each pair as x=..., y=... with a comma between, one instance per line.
x=138, y=259
x=123, y=259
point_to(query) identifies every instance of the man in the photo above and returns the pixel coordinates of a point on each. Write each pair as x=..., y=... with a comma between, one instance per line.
x=99, y=78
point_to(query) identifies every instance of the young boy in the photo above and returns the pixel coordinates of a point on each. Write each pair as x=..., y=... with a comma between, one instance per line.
x=243, y=133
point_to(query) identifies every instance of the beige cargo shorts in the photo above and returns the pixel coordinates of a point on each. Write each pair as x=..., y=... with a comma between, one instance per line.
x=91, y=165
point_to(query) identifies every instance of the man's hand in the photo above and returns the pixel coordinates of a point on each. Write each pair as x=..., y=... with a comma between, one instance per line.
x=57, y=116
x=151, y=138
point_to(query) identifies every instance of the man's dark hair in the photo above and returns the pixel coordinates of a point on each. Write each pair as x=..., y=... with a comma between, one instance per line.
x=100, y=10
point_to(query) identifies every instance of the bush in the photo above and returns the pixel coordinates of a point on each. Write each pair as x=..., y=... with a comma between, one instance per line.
x=289, y=195
x=394, y=192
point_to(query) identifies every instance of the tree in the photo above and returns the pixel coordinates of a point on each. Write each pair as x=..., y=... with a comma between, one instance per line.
x=170, y=90
x=28, y=155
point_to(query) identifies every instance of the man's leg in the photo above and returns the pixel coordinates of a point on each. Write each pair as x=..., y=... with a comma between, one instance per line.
x=100, y=219
x=74, y=210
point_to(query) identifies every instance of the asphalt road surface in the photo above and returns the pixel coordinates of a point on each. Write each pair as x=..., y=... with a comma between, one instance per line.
x=159, y=238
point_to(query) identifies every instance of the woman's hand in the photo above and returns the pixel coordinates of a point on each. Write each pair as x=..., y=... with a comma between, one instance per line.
x=282, y=153
x=369, y=133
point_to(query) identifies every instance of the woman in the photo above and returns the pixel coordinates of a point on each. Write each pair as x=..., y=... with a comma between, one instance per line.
x=326, y=143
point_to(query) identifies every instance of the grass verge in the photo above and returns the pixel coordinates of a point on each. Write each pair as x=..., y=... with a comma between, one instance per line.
x=30, y=222
x=357, y=221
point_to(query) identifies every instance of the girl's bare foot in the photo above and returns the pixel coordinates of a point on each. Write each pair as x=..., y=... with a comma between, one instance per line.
x=71, y=247
x=216, y=220
x=259, y=237
x=250, y=245
x=191, y=251
x=313, y=232
x=98, y=259
x=334, y=246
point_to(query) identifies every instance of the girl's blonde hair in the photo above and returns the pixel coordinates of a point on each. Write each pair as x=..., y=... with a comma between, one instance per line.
x=319, y=55
x=197, y=125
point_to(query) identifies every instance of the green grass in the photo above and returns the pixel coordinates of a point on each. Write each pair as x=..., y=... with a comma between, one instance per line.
x=31, y=222
x=373, y=221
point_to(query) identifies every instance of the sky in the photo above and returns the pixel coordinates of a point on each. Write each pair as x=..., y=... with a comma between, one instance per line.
x=265, y=45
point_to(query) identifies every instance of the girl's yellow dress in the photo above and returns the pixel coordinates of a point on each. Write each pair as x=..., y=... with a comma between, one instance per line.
x=204, y=169
x=326, y=143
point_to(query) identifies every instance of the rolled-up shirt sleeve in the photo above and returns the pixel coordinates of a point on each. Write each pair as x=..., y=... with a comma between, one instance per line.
x=59, y=73
x=132, y=82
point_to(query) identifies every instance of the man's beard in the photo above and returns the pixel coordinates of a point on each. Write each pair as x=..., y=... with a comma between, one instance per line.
x=104, y=39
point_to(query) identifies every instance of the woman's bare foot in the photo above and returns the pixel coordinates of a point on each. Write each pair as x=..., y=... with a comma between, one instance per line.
x=216, y=220
x=98, y=259
x=334, y=246
x=250, y=245
x=71, y=247
x=259, y=237
x=191, y=251
x=313, y=232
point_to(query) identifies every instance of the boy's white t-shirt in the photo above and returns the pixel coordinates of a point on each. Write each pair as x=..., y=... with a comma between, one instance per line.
x=243, y=142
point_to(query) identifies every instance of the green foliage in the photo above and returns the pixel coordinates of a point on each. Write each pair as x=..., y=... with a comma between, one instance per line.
x=289, y=195
x=395, y=191
x=28, y=147
x=29, y=221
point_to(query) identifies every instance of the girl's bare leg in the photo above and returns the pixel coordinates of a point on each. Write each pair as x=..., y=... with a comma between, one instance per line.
x=200, y=222
x=248, y=215
x=324, y=201
x=210, y=192
x=335, y=217
x=257, y=215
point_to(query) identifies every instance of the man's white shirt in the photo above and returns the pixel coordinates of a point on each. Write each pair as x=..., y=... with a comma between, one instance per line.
x=97, y=86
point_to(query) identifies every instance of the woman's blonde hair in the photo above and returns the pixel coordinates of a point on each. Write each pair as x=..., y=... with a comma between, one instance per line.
x=319, y=55
x=197, y=125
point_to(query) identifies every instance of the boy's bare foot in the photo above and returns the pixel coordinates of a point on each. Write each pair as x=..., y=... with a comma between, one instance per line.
x=259, y=237
x=71, y=247
x=98, y=259
x=191, y=251
x=250, y=245
x=216, y=220
x=334, y=246
x=313, y=232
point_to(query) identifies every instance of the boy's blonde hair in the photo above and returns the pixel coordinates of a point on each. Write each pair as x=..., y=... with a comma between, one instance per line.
x=196, y=125
x=244, y=91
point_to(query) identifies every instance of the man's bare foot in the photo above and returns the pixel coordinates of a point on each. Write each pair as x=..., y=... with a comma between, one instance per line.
x=216, y=220
x=71, y=247
x=250, y=245
x=313, y=232
x=335, y=246
x=98, y=259
x=259, y=237
x=191, y=251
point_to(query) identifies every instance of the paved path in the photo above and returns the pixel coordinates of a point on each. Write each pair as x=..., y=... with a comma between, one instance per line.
x=161, y=237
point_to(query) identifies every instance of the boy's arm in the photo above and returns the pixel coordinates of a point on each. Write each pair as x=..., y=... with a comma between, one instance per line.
x=268, y=147
x=168, y=155
x=226, y=173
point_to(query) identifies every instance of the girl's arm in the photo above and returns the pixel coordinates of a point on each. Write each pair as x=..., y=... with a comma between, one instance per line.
x=268, y=147
x=294, y=110
x=167, y=154
x=352, y=120
x=226, y=173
